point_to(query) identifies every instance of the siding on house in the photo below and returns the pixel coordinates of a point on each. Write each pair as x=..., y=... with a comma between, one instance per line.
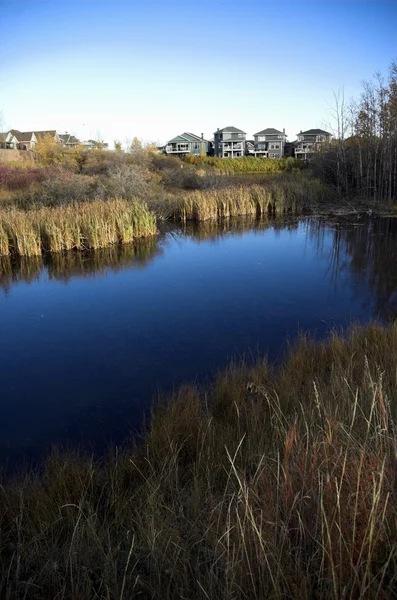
x=230, y=142
x=270, y=143
x=311, y=141
x=188, y=143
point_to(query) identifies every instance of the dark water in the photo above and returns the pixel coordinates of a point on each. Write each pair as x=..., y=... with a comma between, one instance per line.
x=86, y=341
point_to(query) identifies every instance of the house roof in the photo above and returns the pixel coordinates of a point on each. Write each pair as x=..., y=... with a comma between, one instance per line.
x=314, y=132
x=186, y=137
x=230, y=129
x=67, y=138
x=49, y=132
x=23, y=136
x=269, y=131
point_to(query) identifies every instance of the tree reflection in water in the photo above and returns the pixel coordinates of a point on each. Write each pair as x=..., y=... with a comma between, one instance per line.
x=362, y=248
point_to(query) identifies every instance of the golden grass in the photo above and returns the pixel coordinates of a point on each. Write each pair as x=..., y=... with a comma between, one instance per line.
x=294, y=195
x=263, y=485
x=76, y=226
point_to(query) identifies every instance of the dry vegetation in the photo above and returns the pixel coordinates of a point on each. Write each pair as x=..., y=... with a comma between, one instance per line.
x=297, y=195
x=76, y=226
x=264, y=485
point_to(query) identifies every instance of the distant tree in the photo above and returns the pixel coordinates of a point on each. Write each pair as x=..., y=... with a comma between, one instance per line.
x=118, y=146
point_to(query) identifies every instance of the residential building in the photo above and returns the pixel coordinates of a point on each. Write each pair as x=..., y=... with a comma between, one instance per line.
x=94, y=145
x=68, y=140
x=250, y=146
x=8, y=141
x=311, y=141
x=49, y=134
x=188, y=143
x=27, y=140
x=229, y=142
x=270, y=143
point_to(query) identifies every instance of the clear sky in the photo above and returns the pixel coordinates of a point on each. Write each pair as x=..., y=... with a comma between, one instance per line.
x=156, y=68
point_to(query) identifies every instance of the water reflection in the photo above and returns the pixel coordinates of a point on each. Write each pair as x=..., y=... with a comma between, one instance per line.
x=64, y=266
x=87, y=339
x=367, y=249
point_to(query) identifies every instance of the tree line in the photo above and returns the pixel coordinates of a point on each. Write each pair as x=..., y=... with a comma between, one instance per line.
x=362, y=159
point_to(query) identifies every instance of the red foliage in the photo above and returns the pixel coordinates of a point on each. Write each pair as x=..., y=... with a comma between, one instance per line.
x=14, y=178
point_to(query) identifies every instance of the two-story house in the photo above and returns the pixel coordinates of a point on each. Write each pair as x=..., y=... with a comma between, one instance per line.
x=270, y=143
x=311, y=141
x=229, y=142
x=188, y=143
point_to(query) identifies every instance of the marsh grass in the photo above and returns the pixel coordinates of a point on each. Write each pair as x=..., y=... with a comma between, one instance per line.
x=76, y=226
x=245, y=164
x=296, y=195
x=265, y=484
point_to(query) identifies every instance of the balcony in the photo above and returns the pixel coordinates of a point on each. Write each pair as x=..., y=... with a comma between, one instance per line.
x=177, y=148
x=233, y=146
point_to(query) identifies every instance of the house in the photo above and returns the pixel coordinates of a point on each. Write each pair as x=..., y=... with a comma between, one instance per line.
x=68, y=140
x=250, y=146
x=270, y=143
x=49, y=134
x=8, y=141
x=94, y=145
x=229, y=142
x=27, y=140
x=311, y=141
x=188, y=143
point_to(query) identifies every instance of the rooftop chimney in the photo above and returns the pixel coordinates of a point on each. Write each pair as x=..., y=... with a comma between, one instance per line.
x=284, y=130
x=202, y=136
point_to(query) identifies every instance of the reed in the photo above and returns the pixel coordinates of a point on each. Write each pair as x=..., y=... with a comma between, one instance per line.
x=75, y=226
x=245, y=164
x=265, y=484
x=288, y=195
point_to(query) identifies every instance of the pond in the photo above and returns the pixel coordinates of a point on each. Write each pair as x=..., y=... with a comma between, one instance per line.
x=88, y=340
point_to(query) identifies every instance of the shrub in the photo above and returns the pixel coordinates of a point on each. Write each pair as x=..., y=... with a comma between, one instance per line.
x=17, y=178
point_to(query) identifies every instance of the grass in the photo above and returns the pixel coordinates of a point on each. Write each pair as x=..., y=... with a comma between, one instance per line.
x=245, y=164
x=285, y=195
x=265, y=484
x=76, y=226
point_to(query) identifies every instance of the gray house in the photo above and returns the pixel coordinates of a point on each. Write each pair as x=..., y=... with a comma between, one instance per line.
x=311, y=141
x=229, y=142
x=68, y=140
x=188, y=143
x=270, y=143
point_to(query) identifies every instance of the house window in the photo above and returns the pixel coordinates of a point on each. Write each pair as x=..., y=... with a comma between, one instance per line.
x=240, y=135
x=262, y=138
x=196, y=146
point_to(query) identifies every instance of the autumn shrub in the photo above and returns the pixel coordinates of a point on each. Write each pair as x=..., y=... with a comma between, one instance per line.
x=17, y=178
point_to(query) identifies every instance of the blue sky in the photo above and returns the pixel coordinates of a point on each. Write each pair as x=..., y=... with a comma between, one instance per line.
x=156, y=68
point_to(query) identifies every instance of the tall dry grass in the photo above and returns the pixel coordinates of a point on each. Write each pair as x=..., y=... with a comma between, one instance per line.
x=264, y=485
x=245, y=164
x=76, y=226
x=285, y=195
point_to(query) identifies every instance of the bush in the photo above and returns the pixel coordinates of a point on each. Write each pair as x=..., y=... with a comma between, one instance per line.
x=17, y=178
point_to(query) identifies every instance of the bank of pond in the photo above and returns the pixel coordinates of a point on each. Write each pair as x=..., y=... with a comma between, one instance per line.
x=266, y=483
x=100, y=223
